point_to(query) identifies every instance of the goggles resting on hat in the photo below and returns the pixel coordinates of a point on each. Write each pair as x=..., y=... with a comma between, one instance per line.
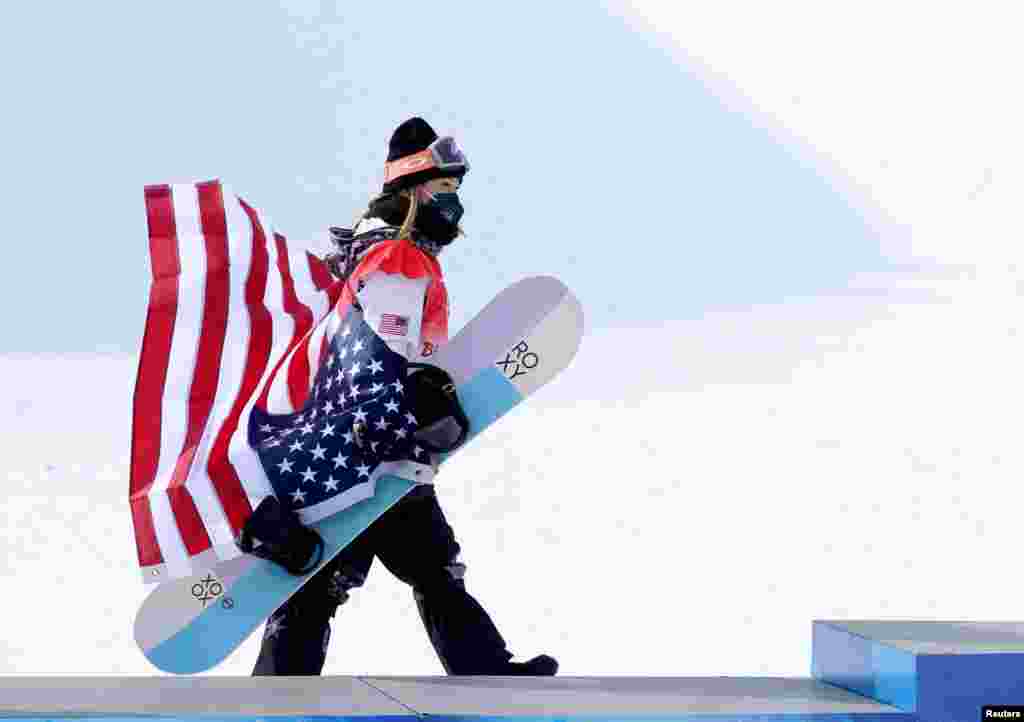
x=443, y=154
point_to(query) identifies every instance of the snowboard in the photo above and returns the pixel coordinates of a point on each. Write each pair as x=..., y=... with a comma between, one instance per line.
x=519, y=342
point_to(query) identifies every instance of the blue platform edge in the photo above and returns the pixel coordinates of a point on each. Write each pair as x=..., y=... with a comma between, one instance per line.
x=937, y=687
x=864, y=666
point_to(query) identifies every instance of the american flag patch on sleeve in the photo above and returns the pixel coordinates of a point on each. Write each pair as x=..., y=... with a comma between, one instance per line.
x=393, y=325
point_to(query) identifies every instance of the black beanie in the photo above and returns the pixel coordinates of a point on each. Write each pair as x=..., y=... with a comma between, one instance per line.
x=410, y=137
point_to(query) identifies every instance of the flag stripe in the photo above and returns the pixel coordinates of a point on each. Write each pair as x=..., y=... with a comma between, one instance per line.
x=275, y=389
x=246, y=463
x=298, y=364
x=280, y=389
x=152, y=372
x=203, y=389
x=306, y=286
x=180, y=378
x=324, y=280
x=222, y=471
x=210, y=496
x=314, y=347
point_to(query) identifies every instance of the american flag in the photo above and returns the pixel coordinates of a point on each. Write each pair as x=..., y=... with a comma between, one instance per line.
x=237, y=326
x=324, y=457
x=394, y=324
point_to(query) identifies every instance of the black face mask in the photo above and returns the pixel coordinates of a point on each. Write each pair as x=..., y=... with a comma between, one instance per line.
x=439, y=219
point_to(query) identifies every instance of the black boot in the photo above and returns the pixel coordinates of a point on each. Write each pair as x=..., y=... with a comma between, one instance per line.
x=540, y=666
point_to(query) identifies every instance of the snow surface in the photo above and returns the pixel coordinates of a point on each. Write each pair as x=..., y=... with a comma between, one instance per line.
x=853, y=457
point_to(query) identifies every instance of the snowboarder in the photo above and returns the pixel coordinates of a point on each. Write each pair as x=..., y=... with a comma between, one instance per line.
x=419, y=205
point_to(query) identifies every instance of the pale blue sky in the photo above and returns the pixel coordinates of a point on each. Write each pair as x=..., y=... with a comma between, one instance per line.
x=596, y=156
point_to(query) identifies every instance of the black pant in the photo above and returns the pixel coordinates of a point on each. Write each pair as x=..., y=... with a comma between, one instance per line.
x=416, y=544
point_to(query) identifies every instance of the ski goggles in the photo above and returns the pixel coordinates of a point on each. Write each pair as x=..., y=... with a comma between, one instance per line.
x=443, y=154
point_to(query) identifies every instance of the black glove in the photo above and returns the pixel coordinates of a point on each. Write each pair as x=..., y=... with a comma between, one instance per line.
x=442, y=424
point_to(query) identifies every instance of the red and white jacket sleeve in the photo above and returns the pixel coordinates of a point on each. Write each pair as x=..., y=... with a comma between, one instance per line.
x=393, y=306
x=403, y=297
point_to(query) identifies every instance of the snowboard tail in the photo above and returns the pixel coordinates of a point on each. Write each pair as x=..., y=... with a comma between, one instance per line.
x=191, y=625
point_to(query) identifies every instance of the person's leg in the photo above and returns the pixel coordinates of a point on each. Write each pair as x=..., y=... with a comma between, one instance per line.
x=418, y=546
x=296, y=636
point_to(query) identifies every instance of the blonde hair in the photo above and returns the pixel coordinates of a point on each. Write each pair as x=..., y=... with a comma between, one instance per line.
x=414, y=204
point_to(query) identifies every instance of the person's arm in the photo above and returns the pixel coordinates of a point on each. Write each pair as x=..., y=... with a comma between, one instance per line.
x=393, y=307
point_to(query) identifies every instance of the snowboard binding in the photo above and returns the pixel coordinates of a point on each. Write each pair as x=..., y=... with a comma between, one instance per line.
x=275, y=533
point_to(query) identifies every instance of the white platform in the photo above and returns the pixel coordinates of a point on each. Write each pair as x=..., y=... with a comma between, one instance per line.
x=412, y=696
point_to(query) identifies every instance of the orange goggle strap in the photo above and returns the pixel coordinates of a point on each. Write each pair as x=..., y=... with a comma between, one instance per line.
x=414, y=163
x=419, y=161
